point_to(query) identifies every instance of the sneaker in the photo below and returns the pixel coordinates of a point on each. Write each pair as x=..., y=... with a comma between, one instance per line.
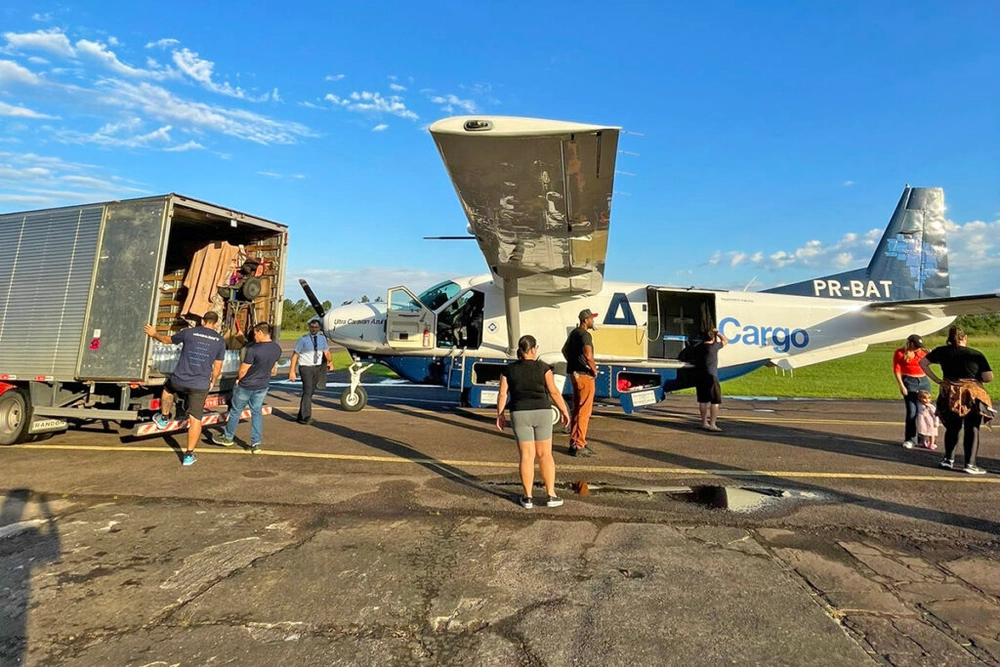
x=932, y=446
x=221, y=439
x=948, y=463
x=526, y=503
x=255, y=447
x=553, y=501
x=160, y=420
x=189, y=459
x=907, y=444
x=974, y=470
x=581, y=451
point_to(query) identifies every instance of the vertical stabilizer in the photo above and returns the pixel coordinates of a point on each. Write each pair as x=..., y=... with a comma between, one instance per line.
x=910, y=262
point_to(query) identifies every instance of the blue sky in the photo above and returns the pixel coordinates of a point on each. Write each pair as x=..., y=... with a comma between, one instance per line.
x=766, y=142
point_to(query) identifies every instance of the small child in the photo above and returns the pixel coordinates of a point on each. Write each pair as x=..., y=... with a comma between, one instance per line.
x=927, y=421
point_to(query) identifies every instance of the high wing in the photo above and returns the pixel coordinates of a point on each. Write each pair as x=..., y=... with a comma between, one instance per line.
x=978, y=304
x=537, y=194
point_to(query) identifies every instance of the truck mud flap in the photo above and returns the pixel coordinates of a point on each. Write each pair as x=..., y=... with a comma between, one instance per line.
x=149, y=428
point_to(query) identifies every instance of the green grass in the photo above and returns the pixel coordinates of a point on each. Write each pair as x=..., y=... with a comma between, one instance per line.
x=866, y=375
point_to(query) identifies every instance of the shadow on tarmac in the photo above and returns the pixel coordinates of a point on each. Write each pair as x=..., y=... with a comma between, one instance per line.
x=793, y=436
x=404, y=451
x=27, y=544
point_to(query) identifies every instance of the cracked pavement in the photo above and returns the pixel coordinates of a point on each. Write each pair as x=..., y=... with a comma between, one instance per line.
x=272, y=560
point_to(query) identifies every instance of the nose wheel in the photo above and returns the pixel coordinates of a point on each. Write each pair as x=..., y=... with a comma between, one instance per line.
x=355, y=397
x=354, y=400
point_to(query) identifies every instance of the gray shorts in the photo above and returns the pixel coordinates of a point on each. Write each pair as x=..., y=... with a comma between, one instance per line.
x=532, y=425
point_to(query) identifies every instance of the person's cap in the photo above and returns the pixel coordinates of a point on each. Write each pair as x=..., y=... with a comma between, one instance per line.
x=915, y=339
x=586, y=314
x=316, y=320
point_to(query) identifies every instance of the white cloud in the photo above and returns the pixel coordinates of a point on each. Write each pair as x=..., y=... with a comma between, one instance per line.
x=188, y=146
x=367, y=102
x=973, y=256
x=11, y=72
x=381, y=127
x=28, y=180
x=396, y=87
x=451, y=102
x=21, y=112
x=201, y=70
x=333, y=77
x=100, y=53
x=162, y=43
x=274, y=174
x=848, y=184
x=120, y=135
x=52, y=41
x=157, y=102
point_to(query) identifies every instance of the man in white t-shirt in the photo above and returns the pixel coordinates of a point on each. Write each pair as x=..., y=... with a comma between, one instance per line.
x=313, y=359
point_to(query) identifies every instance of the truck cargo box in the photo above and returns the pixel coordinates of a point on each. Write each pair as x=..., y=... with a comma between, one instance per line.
x=78, y=283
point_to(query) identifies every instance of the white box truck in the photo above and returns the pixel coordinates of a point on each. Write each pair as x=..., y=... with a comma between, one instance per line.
x=78, y=283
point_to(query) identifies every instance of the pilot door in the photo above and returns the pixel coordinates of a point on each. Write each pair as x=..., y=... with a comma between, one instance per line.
x=409, y=325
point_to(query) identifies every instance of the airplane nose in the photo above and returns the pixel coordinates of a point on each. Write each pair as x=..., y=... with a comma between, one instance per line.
x=356, y=326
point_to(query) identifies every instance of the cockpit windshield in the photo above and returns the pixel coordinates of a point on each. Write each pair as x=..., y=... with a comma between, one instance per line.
x=436, y=296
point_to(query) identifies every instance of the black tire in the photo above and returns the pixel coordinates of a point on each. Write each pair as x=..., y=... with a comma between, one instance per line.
x=353, y=402
x=15, y=416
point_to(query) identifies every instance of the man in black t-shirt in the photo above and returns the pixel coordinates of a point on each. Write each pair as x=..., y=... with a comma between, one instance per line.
x=582, y=371
x=198, y=369
x=259, y=364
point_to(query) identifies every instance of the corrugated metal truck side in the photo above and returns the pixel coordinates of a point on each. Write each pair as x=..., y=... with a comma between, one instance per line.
x=77, y=285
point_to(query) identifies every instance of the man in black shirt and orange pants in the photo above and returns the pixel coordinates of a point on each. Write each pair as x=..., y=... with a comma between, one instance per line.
x=582, y=371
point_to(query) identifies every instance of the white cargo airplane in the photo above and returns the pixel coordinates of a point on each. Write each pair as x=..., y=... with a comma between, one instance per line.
x=537, y=195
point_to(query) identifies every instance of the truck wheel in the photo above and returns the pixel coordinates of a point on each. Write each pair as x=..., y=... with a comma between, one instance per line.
x=15, y=415
x=352, y=402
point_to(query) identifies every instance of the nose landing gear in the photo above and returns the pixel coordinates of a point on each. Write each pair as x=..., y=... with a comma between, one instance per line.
x=354, y=398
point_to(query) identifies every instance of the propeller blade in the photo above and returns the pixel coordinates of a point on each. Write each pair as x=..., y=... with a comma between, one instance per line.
x=317, y=306
x=449, y=238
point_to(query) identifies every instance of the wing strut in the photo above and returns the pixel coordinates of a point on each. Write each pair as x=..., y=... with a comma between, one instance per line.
x=512, y=304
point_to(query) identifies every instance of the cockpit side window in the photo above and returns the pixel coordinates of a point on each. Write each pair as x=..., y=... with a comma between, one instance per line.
x=436, y=296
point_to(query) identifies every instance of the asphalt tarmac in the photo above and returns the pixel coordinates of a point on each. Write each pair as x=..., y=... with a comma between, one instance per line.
x=802, y=534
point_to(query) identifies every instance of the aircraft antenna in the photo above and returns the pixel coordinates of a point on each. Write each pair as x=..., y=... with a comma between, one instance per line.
x=752, y=281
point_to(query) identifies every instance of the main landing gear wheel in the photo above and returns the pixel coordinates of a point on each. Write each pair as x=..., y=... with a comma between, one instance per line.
x=352, y=401
x=15, y=415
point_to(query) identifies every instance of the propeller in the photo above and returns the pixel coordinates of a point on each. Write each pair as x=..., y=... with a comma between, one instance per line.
x=317, y=306
x=449, y=238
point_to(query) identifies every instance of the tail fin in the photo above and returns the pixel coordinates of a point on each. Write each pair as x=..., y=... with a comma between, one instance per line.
x=910, y=262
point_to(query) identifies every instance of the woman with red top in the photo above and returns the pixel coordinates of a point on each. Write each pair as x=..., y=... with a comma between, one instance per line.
x=911, y=379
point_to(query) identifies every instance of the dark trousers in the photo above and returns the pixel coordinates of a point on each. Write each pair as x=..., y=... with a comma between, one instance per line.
x=970, y=441
x=913, y=384
x=313, y=377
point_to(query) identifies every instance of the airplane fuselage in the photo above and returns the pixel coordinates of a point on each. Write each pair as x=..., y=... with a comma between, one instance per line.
x=640, y=329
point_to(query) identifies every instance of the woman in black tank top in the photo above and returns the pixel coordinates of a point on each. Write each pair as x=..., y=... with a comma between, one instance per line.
x=531, y=386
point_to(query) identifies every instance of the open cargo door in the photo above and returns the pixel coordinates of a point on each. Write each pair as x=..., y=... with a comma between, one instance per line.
x=126, y=280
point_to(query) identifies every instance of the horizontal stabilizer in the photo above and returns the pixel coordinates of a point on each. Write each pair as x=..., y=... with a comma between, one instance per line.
x=978, y=304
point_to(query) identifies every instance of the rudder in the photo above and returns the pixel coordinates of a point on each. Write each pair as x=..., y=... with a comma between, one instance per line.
x=910, y=261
